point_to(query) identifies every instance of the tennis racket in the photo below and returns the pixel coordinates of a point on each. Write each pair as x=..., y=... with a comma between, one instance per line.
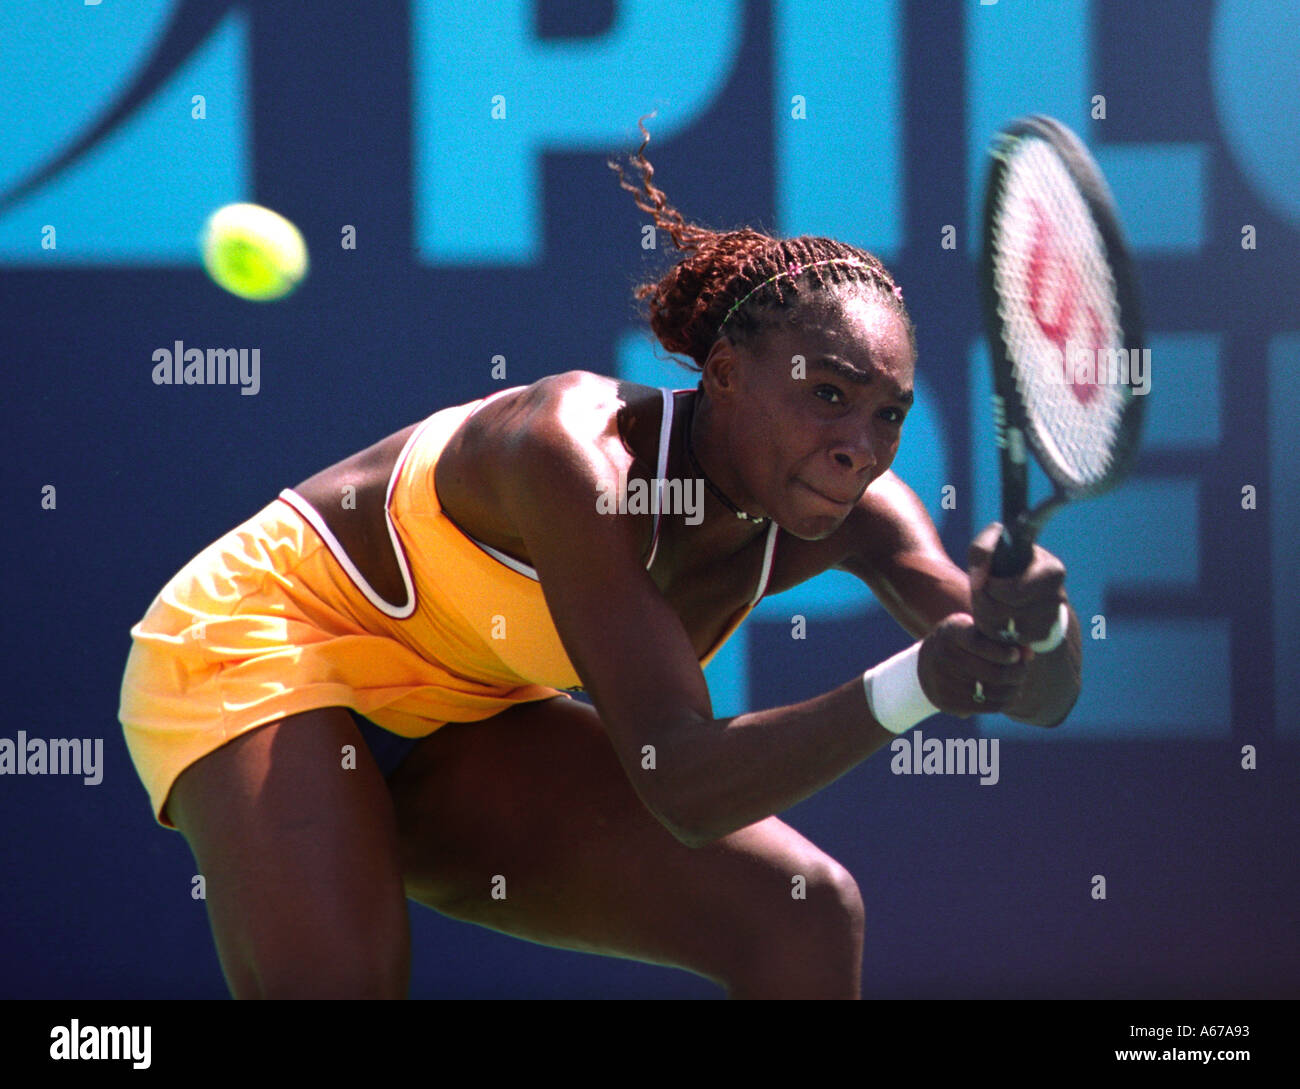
x=1058, y=290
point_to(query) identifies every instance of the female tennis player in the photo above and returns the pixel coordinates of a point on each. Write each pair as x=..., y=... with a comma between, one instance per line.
x=448, y=583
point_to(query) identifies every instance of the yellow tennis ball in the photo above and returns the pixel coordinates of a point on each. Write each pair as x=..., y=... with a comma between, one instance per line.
x=253, y=252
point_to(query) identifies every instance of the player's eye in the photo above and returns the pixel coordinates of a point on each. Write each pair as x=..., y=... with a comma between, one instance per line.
x=830, y=389
x=894, y=415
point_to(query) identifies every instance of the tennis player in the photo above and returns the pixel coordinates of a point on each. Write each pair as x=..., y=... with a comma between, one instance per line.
x=359, y=694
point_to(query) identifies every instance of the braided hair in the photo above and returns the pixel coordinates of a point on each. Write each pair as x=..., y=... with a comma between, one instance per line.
x=744, y=282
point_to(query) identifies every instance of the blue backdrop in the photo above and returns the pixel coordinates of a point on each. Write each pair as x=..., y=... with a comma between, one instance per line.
x=462, y=144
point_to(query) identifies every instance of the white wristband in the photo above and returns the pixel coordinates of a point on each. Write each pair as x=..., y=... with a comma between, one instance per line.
x=894, y=692
x=1054, y=637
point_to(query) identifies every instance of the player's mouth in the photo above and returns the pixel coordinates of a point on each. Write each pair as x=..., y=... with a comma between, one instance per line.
x=828, y=499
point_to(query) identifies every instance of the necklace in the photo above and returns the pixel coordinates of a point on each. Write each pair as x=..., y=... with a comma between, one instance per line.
x=690, y=453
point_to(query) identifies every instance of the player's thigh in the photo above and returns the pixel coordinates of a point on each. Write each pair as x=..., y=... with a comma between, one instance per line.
x=527, y=823
x=298, y=849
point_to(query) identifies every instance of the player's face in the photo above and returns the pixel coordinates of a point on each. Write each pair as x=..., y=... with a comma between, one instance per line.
x=820, y=412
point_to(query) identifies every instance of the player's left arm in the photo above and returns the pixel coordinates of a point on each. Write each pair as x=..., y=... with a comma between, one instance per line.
x=893, y=546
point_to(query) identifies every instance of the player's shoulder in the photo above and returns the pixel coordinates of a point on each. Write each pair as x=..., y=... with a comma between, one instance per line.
x=569, y=430
x=590, y=397
x=565, y=460
x=574, y=411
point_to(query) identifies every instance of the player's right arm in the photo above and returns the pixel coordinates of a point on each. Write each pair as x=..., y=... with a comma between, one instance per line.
x=702, y=777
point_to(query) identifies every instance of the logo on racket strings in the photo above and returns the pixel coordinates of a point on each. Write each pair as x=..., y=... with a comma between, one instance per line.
x=1046, y=255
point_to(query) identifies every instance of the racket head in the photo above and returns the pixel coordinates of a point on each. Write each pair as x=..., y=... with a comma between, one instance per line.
x=1055, y=273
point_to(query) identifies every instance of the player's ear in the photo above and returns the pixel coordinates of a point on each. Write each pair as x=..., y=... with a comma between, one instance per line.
x=721, y=369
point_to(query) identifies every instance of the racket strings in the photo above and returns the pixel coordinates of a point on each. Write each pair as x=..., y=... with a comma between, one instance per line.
x=1057, y=295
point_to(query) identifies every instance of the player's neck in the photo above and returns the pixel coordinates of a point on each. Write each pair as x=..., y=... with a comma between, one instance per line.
x=697, y=456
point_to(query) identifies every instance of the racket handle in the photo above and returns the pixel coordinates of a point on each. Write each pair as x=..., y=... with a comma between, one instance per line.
x=1014, y=553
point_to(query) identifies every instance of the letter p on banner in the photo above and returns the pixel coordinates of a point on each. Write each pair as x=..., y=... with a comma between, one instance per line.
x=478, y=181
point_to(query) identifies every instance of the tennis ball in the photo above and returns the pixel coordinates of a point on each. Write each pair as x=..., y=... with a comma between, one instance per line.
x=253, y=252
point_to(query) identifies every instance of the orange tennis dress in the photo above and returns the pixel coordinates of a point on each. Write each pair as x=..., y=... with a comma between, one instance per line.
x=274, y=618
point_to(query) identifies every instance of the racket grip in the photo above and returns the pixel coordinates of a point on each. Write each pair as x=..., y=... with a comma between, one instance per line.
x=1014, y=553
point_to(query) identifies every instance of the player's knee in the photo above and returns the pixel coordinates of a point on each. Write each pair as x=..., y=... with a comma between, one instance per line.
x=836, y=916
x=811, y=945
x=818, y=916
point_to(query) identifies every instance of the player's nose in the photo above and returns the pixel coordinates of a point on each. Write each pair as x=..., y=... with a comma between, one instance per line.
x=859, y=450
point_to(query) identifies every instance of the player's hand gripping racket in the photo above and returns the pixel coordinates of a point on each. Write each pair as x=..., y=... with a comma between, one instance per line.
x=1058, y=290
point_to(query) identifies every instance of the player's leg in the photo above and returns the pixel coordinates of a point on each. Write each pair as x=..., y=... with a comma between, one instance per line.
x=533, y=805
x=299, y=856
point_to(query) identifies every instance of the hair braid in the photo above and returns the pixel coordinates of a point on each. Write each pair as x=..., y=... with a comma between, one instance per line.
x=743, y=279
